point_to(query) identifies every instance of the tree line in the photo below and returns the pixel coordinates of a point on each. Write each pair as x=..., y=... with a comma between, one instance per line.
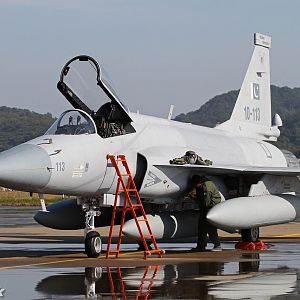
x=20, y=125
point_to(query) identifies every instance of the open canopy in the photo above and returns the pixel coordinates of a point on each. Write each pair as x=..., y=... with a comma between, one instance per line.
x=85, y=85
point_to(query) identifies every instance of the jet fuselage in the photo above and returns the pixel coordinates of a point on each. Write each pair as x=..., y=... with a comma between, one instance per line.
x=77, y=165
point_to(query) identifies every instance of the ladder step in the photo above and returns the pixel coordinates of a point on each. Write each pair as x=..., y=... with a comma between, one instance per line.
x=157, y=251
x=127, y=209
x=125, y=174
x=142, y=220
x=128, y=190
x=148, y=235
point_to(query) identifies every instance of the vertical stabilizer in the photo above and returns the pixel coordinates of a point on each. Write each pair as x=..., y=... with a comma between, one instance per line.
x=251, y=116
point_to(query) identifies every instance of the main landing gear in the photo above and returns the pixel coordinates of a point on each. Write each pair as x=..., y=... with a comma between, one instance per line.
x=250, y=235
x=92, y=241
x=142, y=247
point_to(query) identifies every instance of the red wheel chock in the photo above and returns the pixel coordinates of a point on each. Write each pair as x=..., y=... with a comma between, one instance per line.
x=260, y=245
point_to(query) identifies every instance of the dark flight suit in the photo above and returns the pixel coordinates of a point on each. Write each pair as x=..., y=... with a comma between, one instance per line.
x=206, y=196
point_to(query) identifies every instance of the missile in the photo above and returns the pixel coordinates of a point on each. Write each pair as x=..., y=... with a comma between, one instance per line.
x=247, y=212
x=165, y=225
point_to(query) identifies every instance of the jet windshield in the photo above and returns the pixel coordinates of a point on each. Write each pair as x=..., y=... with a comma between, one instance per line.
x=72, y=122
x=86, y=86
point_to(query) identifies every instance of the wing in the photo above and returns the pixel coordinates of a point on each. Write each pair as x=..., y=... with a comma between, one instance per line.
x=227, y=169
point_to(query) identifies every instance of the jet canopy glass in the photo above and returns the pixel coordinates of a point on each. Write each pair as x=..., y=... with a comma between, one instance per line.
x=86, y=86
x=73, y=122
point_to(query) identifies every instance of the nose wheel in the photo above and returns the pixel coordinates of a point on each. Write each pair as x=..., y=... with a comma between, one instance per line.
x=93, y=244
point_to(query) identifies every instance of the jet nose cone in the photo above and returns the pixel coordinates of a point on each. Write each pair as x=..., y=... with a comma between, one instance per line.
x=25, y=167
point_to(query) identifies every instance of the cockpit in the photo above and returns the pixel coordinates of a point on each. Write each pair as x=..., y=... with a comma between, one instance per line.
x=85, y=85
x=73, y=122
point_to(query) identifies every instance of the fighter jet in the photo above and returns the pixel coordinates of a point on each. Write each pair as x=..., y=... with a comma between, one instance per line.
x=258, y=181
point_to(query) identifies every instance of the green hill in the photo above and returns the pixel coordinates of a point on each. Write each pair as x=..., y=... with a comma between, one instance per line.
x=285, y=102
x=20, y=125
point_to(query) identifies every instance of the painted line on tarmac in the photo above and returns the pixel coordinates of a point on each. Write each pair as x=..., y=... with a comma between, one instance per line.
x=42, y=263
x=122, y=254
x=61, y=261
x=131, y=253
x=288, y=235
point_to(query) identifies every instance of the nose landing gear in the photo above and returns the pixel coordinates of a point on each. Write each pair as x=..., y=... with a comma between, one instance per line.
x=92, y=241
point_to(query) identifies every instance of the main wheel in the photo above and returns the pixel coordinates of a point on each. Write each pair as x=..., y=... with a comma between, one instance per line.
x=93, y=244
x=141, y=245
x=250, y=235
x=251, y=264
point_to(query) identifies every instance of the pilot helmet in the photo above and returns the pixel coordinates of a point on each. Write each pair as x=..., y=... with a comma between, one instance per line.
x=191, y=156
x=190, y=153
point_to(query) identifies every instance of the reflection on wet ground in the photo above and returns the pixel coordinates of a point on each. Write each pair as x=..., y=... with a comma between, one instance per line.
x=189, y=281
x=267, y=275
x=257, y=276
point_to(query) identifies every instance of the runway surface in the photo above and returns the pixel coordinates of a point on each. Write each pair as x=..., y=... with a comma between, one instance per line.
x=40, y=263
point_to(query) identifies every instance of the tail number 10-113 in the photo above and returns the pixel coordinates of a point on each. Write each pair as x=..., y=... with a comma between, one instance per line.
x=252, y=114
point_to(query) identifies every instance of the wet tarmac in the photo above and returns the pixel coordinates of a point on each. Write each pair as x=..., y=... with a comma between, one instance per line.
x=271, y=274
x=47, y=266
x=17, y=216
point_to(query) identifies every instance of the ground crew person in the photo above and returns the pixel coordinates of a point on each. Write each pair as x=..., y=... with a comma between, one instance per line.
x=207, y=196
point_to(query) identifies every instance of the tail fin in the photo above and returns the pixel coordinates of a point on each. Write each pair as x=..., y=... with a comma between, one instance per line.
x=251, y=116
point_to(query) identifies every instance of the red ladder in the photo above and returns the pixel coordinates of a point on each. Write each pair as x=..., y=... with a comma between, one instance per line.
x=112, y=286
x=144, y=280
x=130, y=190
x=141, y=294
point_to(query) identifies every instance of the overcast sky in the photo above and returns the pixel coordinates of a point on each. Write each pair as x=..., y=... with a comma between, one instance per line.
x=157, y=52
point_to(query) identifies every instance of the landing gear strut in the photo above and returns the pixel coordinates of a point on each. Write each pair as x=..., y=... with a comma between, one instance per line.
x=250, y=235
x=92, y=241
x=92, y=275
